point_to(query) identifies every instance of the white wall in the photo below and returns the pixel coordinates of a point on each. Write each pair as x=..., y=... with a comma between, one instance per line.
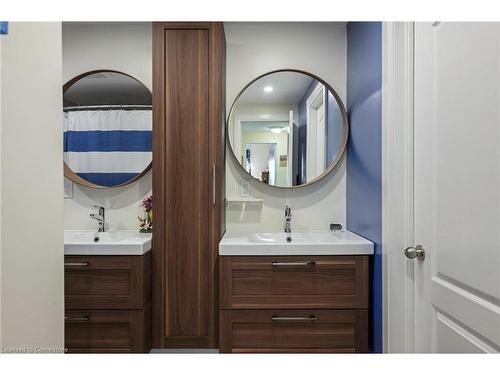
x=32, y=272
x=122, y=46
x=257, y=48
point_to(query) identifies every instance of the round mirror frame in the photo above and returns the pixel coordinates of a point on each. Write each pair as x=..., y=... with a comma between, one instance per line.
x=345, y=123
x=68, y=173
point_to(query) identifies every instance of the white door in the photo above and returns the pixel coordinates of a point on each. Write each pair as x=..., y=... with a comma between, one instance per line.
x=320, y=139
x=315, y=150
x=290, y=155
x=263, y=158
x=457, y=187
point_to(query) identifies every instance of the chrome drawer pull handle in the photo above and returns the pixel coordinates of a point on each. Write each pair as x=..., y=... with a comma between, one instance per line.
x=310, y=318
x=292, y=264
x=84, y=318
x=82, y=264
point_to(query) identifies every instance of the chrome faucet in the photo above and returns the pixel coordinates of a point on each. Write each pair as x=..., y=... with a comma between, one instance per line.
x=288, y=222
x=101, y=220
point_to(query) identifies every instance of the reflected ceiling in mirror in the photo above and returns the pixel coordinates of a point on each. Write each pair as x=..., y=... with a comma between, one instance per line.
x=107, y=129
x=287, y=128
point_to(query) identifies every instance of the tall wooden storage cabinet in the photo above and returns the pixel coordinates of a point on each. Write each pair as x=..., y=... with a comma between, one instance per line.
x=188, y=181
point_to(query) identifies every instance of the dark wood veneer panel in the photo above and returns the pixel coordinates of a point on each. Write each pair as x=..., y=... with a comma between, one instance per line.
x=331, y=282
x=107, y=331
x=98, y=282
x=107, y=282
x=269, y=282
x=333, y=331
x=108, y=304
x=187, y=175
x=188, y=147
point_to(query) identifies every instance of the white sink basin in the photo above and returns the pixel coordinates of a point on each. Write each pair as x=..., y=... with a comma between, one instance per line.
x=303, y=243
x=122, y=242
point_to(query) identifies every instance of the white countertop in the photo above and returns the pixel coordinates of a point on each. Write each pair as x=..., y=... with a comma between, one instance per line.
x=121, y=242
x=243, y=243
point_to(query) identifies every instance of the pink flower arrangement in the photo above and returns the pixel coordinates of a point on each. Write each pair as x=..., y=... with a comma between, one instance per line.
x=146, y=224
x=147, y=203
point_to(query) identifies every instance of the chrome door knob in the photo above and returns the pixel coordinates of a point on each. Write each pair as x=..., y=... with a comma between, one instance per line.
x=415, y=252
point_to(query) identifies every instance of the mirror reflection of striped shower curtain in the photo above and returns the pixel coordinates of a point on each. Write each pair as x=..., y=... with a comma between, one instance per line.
x=108, y=147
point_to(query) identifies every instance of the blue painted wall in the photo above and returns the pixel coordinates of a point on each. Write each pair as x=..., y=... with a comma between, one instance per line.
x=364, y=153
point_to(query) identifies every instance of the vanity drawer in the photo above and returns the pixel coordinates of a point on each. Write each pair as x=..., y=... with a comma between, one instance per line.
x=107, y=331
x=107, y=282
x=294, y=282
x=293, y=331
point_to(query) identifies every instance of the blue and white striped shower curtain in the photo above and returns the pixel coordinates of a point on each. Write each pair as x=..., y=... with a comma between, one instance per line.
x=108, y=147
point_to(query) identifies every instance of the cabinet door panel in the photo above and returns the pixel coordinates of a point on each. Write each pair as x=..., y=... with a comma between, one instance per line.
x=294, y=331
x=186, y=100
x=104, y=282
x=187, y=175
x=106, y=331
x=294, y=282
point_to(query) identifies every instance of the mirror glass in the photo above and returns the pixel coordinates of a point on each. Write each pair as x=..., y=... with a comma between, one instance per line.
x=287, y=129
x=107, y=129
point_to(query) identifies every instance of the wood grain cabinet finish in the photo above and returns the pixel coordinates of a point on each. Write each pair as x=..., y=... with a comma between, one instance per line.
x=106, y=282
x=108, y=304
x=294, y=331
x=108, y=331
x=293, y=304
x=188, y=175
x=326, y=282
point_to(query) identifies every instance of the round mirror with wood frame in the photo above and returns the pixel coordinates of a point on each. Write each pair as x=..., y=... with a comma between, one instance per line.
x=287, y=128
x=107, y=129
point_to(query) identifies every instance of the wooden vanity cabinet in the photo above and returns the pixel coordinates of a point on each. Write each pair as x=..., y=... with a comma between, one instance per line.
x=293, y=304
x=188, y=181
x=293, y=331
x=107, y=304
x=108, y=331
